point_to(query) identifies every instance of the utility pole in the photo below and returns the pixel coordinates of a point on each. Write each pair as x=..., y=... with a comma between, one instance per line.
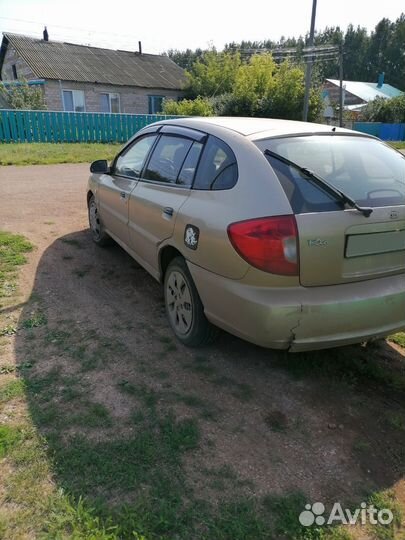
x=341, y=85
x=309, y=64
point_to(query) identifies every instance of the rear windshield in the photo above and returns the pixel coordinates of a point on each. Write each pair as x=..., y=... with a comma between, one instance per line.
x=367, y=170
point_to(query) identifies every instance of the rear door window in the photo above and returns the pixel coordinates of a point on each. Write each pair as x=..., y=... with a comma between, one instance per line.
x=167, y=159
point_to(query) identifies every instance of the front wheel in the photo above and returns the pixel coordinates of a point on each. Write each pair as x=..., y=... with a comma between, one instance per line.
x=184, y=308
x=100, y=237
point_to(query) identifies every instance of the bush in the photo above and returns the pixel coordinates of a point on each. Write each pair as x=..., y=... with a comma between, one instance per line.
x=188, y=107
x=23, y=96
x=385, y=110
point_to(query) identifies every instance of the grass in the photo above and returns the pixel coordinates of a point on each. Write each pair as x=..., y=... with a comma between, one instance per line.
x=386, y=500
x=9, y=437
x=13, y=248
x=399, y=145
x=36, y=319
x=399, y=339
x=11, y=390
x=48, y=153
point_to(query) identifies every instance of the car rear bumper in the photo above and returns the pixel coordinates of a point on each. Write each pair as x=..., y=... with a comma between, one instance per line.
x=303, y=318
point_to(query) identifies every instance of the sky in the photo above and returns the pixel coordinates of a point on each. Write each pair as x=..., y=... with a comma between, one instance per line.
x=163, y=25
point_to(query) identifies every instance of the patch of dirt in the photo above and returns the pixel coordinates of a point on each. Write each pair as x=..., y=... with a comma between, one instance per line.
x=278, y=433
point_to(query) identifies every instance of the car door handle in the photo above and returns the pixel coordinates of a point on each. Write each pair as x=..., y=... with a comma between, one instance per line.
x=123, y=195
x=168, y=211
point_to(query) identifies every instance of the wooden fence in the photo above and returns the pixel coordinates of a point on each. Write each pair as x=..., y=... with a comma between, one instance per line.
x=46, y=126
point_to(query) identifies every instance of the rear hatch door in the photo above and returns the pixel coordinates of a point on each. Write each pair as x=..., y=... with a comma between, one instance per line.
x=344, y=246
x=337, y=243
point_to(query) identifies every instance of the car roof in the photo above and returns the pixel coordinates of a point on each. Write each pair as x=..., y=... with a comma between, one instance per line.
x=256, y=128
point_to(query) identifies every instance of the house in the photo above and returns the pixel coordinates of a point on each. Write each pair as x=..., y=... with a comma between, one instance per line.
x=356, y=94
x=92, y=79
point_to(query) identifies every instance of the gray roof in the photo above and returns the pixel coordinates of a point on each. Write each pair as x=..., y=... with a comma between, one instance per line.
x=81, y=63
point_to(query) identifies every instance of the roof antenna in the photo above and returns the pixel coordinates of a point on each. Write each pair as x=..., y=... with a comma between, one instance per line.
x=334, y=129
x=46, y=35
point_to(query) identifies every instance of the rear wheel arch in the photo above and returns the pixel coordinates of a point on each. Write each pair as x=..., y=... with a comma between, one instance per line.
x=184, y=309
x=166, y=255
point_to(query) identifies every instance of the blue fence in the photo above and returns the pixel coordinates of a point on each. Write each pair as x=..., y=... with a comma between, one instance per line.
x=387, y=132
x=46, y=126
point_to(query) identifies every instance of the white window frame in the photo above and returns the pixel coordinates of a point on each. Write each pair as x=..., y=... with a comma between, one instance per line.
x=109, y=94
x=74, y=92
x=151, y=100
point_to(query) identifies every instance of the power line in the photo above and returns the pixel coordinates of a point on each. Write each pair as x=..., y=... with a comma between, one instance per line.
x=86, y=30
x=84, y=36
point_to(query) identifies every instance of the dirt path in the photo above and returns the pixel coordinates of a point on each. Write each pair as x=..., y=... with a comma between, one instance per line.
x=327, y=424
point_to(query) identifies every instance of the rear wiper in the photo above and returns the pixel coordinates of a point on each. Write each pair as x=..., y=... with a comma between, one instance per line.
x=321, y=182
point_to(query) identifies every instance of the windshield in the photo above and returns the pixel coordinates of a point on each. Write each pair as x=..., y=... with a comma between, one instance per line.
x=367, y=170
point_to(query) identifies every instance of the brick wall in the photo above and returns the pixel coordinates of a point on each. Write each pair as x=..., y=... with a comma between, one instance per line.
x=132, y=100
x=23, y=70
x=334, y=91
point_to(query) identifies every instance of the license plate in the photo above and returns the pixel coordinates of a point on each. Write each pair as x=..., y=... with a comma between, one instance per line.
x=359, y=245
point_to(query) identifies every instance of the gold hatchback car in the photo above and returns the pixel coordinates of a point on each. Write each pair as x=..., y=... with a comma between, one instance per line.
x=290, y=235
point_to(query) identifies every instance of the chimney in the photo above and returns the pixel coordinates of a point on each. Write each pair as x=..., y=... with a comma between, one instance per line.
x=140, y=47
x=46, y=36
x=380, y=80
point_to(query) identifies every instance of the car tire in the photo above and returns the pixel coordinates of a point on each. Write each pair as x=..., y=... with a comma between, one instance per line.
x=100, y=237
x=184, y=308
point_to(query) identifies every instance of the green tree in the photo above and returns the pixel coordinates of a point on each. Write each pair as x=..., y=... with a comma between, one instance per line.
x=394, y=55
x=266, y=89
x=366, y=55
x=287, y=95
x=185, y=59
x=23, y=96
x=356, y=49
x=212, y=74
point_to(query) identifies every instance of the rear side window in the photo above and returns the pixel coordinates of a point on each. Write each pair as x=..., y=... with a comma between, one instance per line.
x=218, y=168
x=187, y=172
x=167, y=159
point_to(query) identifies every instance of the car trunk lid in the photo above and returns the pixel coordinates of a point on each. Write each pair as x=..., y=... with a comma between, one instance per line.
x=344, y=246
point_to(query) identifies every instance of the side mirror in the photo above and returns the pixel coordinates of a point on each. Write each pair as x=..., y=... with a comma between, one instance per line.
x=100, y=167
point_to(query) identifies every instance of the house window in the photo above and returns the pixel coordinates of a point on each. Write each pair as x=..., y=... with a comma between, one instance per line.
x=73, y=100
x=14, y=68
x=110, y=103
x=155, y=104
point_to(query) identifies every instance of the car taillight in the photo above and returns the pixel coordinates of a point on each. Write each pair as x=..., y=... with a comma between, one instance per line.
x=269, y=243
